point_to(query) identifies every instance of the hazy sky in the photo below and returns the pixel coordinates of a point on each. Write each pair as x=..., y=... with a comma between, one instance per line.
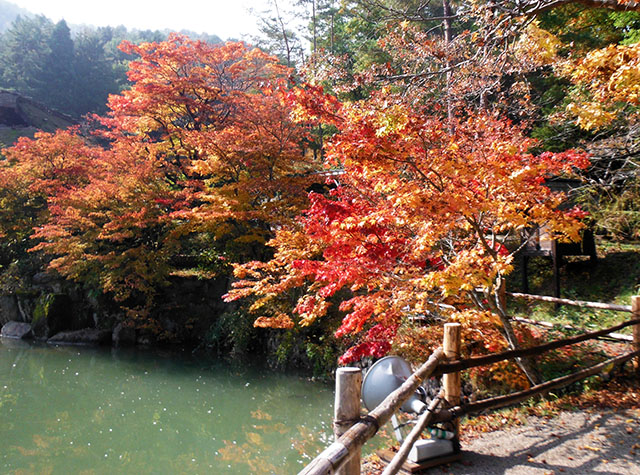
x=225, y=18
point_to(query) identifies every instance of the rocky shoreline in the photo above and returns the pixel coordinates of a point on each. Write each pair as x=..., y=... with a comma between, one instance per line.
x=118, y=337
x=54, y=310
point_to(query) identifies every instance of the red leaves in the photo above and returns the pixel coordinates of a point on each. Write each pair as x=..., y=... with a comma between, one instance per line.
x=373, y=349
x=577, y=213
x=419, y=216
x=362, y=309
x=567, y=161
x=311, y=104
x=376, y=345
x=501, y=249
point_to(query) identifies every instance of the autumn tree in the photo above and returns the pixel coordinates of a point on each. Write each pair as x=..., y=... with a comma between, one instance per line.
x=585, y=97
x=32, y=171
x=436, y=180
x=421, y=220
x=201, y=152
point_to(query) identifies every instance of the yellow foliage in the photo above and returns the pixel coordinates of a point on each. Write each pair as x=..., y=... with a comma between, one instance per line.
x=537, y=45
x=391, y=120
x=590, y=115
x=471, y=317
x=608, y=79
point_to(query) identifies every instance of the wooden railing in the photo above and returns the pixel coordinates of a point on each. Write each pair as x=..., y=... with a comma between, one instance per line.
x=350, y=443
x=352, y=430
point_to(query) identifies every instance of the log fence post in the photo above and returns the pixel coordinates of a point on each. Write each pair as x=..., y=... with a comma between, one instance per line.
x=347, y=411
x=451, y=381
x=635, y=313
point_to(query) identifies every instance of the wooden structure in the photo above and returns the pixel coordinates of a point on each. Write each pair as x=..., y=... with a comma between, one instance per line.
x=356, y=430
x=409, y=467
x=347, y=410
x=538, y=243
x=335, y=457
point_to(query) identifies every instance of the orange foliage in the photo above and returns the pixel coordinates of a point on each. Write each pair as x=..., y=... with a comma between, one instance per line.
x=35, y=170
x=200, y=148
x=421, y=216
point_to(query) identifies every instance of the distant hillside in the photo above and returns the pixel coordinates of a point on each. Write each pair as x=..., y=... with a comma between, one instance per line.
x=21, y=116
x=9, y=12
x=69, y=69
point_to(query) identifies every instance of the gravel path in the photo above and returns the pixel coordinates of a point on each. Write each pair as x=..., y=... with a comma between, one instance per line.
x=574, y=443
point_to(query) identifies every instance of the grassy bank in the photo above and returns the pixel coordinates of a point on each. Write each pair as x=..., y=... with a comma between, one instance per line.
x=614, y=278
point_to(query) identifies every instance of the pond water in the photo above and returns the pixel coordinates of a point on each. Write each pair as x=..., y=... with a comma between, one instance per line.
x=90, y=410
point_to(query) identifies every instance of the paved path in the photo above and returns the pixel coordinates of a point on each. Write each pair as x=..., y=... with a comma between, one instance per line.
x=603, y=442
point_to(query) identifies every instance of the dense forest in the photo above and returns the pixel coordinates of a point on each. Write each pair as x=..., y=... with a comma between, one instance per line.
x=368, y=170
x=70, y=71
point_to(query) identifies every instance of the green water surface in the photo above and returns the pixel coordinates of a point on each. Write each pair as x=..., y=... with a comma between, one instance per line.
x=88, y=410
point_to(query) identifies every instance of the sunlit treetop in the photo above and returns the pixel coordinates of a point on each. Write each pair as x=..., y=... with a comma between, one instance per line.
x=607, y=85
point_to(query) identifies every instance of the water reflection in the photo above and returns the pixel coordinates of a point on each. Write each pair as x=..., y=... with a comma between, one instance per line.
x=72, y=410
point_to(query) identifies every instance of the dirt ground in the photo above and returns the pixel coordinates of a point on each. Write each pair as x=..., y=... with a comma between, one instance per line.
x=575, y=442
x=583, y=442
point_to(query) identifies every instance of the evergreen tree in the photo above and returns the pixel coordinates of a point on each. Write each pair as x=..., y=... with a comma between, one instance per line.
x=23, y=56
x=278, y=36
x=98, y=74
x=59, y=74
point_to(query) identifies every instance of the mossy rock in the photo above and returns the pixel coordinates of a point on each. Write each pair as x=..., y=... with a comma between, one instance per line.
x=52, y=314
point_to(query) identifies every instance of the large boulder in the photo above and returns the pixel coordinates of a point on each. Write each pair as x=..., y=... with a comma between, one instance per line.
x=87, y=336
x=18, y=330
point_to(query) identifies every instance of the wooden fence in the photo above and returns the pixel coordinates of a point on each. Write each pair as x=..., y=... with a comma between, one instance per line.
x=352, y=430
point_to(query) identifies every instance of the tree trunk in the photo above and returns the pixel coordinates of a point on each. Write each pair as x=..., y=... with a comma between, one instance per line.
x=527, y=365
x=446, y=24
x=284, y=33
x=315, y=37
